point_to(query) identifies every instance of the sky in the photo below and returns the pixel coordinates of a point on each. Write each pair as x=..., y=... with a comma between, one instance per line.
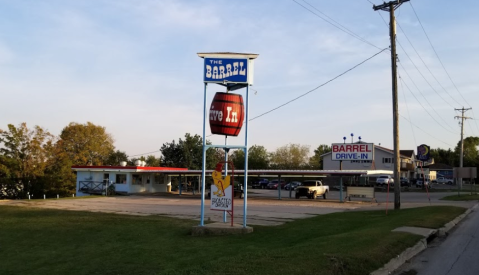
x=132, y=67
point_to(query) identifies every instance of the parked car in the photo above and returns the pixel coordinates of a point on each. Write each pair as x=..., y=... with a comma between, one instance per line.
x=260, y=183
x=384, y=180
x=274, y=184
x=405, y=182
x=292, y=185
x=420, y=183
x=443, y=180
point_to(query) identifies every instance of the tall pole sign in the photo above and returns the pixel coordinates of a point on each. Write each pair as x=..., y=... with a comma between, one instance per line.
x=227, y=114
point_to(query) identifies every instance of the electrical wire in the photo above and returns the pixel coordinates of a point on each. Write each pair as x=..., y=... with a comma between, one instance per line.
x=408, y=114
x=145, y=153
x=440, y=61
x=426, y=132
x=447, y=102
x=425, y=100
x=423, y=106
x=335, y=24
x=325, y=83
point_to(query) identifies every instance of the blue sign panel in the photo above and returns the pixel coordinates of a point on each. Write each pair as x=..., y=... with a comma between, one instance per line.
x=423, y=152
x=223, y=70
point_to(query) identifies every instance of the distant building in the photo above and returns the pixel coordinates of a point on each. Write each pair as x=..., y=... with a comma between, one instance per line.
x=383, y=160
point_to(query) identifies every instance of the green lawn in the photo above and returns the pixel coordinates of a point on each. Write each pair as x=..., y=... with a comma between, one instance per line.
x=463, y=197
x=38, y=241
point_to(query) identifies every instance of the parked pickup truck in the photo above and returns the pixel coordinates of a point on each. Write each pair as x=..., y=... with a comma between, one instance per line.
x=260, y=183
x=311, y=189
x=384, y=180
x=442, y=180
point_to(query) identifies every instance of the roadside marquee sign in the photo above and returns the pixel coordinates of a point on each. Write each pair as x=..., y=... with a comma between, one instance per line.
x=349, y=151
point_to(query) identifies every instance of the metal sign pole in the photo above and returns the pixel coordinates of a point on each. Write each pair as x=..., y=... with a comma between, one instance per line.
x=245, y=202
x=203, y=168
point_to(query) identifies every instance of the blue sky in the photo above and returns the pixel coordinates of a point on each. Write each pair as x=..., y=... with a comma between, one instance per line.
x=132, y=66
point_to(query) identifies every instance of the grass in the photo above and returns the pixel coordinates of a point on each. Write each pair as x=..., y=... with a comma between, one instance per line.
x=39, y=241
x=462, y=197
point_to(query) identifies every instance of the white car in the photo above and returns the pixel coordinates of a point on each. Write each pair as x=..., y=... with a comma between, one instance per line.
x=384, y=180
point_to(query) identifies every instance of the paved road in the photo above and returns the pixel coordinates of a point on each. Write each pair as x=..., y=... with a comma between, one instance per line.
x=263, y=207
x=455, y=254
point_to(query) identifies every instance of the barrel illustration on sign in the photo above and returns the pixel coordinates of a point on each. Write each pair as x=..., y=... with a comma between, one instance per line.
x=226, y=114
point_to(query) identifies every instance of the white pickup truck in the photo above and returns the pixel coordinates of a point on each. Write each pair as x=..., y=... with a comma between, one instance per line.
x=311, y=189
x=384, y=180
x=442, y=180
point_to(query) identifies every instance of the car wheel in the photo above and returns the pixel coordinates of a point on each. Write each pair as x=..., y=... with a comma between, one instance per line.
x=315, y=194
x=324, y=195
x=296, y=196
x=449, y=182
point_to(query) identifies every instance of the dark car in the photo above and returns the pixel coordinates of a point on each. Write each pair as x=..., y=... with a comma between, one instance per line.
x=274, y=184
x=420, y=183
x=292, y=185
x=405, y=182
x=260, y=183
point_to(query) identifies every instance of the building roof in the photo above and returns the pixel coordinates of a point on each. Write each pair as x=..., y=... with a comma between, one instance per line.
x=229, y=55
x=440, y=166
x=127, y=168
x=261, y=173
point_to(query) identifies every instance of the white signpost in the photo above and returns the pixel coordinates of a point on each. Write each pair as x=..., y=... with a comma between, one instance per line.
x=221, y=200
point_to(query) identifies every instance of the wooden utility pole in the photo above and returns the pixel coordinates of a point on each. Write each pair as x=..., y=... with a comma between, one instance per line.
x=390, y=7
x=461, y=156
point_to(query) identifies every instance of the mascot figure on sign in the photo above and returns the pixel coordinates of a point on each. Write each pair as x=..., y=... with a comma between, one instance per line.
x=220, y=182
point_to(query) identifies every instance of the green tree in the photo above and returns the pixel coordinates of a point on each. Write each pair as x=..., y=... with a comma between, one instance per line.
x=470, y=151
x=316, y=161
x=116, y=157
x=152, y=161
x=24, y=151
x=86, y=144
x=291, y=156
x=448, y=157
x=258, y=158
x=188, y=153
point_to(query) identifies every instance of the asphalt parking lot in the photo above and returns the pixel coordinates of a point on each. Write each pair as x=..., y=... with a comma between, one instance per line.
x=263, y=206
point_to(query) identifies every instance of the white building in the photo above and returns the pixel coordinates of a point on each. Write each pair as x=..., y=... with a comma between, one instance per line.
x=126, y=179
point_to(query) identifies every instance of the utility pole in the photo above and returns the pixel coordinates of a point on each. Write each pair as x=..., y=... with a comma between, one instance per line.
x=461, y=156
x=390, y=7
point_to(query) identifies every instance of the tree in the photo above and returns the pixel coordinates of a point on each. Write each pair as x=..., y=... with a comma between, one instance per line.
x=116, y=157
x=448, y=157
x=291, y=156
x=470, y=151
x=188, y=153
x=152, y=161
x=86, y=144
x=24, y=151
x=316, y=162
x=258, y=158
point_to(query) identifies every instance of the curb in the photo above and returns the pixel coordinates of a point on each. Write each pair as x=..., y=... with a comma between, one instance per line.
x=407, y=254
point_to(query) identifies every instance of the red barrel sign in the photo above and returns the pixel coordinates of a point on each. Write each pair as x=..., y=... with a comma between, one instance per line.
x=226, y=114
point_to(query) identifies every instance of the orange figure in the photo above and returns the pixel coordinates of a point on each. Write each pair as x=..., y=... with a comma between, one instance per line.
x=220, y=182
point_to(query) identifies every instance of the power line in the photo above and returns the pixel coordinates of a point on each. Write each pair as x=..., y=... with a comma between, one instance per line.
x=335, y=24
x=426, y=132
x=423, y=106
x=425, y=100
x=325, y=83
x=440, y=61
x=408, y=114
x=447, y=102
x=145, y=153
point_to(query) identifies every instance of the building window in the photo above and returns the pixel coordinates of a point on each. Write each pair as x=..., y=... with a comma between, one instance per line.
x=120, y=179
x=137, y=179
x=388, y=160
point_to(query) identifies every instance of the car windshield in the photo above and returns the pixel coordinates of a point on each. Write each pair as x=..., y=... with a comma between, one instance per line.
x=383, y=177
x=309, y=183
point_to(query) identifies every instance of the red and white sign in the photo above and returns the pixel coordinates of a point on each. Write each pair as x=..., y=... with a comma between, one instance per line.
x=352, y=151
